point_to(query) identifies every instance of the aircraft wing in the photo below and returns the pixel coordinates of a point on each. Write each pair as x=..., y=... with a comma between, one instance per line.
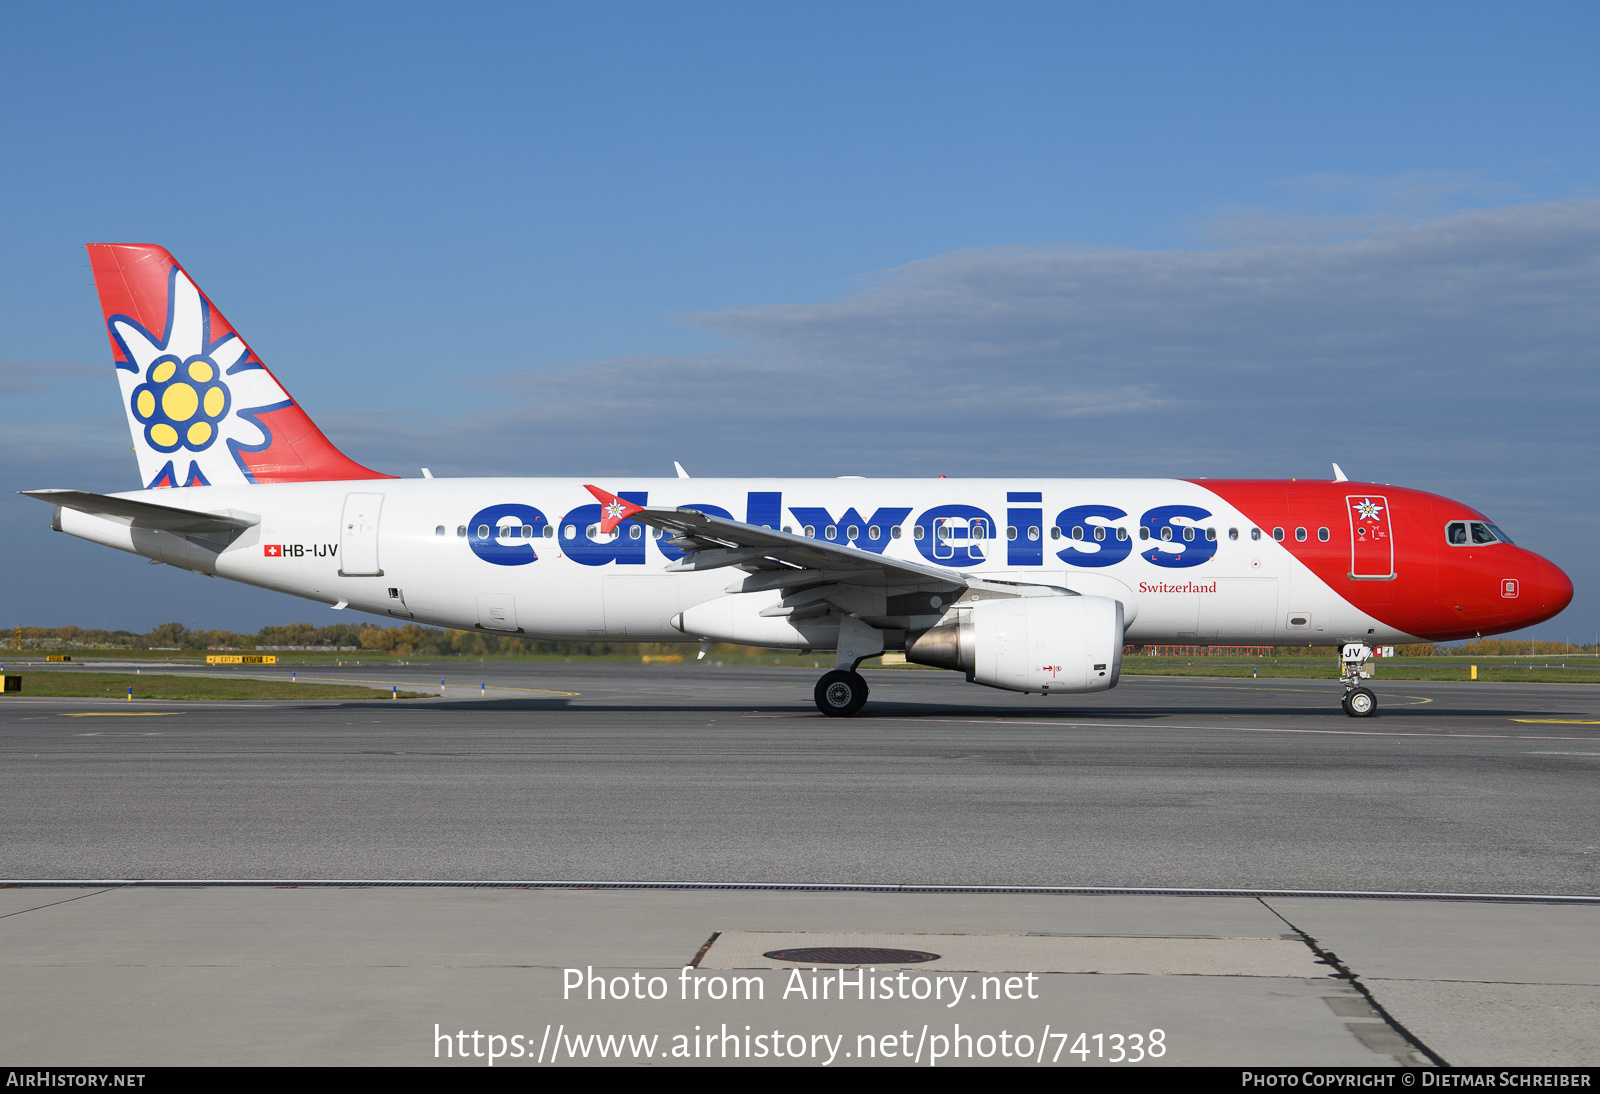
x=776, y=560
x=147, y=514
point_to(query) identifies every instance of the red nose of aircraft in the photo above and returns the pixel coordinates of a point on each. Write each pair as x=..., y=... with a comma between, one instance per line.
x=1546, y=591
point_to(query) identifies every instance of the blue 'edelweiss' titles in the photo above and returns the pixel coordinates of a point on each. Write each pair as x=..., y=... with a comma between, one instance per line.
x=955, y=535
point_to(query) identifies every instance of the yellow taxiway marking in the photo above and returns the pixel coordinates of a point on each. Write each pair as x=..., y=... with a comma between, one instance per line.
x=1560, y=721
x=122, y=714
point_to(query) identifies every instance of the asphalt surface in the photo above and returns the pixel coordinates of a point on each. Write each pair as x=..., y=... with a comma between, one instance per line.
x=695, y=772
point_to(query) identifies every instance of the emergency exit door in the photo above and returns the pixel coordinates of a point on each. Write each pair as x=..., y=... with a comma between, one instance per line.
x=358, y=536
x=1371, y=537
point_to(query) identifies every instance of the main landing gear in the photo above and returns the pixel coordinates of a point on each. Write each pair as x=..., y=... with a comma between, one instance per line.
x=1358, y=701
x=841, y=693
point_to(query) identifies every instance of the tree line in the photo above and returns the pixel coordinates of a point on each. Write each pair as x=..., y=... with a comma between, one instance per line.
x=413, y=640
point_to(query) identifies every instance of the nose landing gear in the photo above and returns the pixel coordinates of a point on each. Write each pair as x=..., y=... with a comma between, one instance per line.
x=1358, y=701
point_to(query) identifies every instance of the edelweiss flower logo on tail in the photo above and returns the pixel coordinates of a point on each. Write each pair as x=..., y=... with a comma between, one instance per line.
x=180, y=391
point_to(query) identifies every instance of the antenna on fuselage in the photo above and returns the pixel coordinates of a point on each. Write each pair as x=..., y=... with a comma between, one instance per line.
x=682, y=474
x=1339, y=475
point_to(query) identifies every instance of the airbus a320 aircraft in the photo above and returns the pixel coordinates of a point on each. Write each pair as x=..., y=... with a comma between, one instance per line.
x=1030, y=584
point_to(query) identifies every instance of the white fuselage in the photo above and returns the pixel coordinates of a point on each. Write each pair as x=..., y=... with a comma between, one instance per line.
x=415, y=549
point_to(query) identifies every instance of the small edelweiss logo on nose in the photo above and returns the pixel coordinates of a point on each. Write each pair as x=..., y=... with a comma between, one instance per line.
x=181, y=403
x=1367, y=509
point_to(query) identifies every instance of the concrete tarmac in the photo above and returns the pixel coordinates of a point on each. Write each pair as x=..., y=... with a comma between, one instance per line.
x=696, y=773
x=539, y=772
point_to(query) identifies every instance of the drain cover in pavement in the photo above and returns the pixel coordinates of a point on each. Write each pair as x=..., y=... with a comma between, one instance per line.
x=850, y=955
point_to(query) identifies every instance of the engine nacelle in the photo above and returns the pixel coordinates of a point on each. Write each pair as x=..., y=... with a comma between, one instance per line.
x=1048, y=644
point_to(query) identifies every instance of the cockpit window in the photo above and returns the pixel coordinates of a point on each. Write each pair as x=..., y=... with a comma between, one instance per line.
x=1473, y=533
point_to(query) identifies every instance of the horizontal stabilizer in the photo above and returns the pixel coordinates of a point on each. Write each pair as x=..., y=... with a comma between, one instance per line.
x=146, y=514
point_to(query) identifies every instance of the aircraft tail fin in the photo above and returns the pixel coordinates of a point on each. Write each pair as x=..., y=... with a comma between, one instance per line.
x=202, y=408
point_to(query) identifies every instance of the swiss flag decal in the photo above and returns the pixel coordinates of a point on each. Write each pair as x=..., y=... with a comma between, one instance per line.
x=272, y=550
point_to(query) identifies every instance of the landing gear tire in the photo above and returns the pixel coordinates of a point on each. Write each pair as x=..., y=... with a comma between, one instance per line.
x=840, y=693
x=1360, y=703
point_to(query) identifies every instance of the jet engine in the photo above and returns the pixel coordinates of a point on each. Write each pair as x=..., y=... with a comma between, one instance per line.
x=1047, y=644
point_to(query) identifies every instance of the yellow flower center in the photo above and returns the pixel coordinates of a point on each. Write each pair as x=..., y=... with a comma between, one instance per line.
x=180, y=402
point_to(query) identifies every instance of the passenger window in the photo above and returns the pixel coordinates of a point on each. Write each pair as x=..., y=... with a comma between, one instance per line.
x=1233, y=533
x=1188, y=534
x=1077, y=532
x=1100, y=533
x=550, y=532
x=1055, y=531
x=811, y=531
x=1456, y=533
x=852, y=533
x=1300, y=534
x=569, y=532
x=634, y=531
x=656, y=532
x=461, y=530
x=1255, y=533
x=1211, y=534
x=1033, y=532
x=1122, y=533
x=1322, y=534
x=1144, y=532
x=1277, y=534
x=1166, y=533
x=483, y=531
x=978, y=531
x=831, y=531
x=439, y=531
x=894, y=533
x=872, y=531
x=916, y=531
x=1011, y=531
x=527, y=531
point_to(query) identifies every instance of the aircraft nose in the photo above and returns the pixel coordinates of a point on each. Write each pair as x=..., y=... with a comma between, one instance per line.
x=1549, y=586
x=1556, y=587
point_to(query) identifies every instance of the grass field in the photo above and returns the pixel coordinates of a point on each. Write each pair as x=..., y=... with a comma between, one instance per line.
x=115, y=685
x=1322, y=666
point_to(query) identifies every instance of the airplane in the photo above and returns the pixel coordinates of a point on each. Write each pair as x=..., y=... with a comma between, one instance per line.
x=1031, y=584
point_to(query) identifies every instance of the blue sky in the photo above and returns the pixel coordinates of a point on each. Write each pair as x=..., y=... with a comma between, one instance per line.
x=1116, y=239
